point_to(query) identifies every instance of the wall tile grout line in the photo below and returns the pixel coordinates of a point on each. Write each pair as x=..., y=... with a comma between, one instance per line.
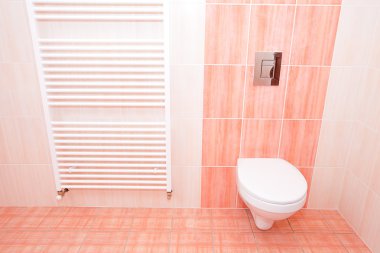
x=244, y=95
x=287, y=80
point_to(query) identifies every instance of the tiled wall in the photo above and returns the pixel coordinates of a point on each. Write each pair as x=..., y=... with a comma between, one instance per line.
x=347, y=171
x=242, y=120
x=24, y=154
x=26, y=175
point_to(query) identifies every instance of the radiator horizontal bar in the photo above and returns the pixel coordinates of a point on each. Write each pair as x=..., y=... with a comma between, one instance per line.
x=106, y=90
x=94, y=181
x=85, y=135
x=133, y=142
x=111, y=159
x=110, y=104
x=144, y=148
x=99, y=9
x=135, y=187
x=104, y=17
x=108, y=97
x=105, y=70
x=103, y=63
x=114, y=165
x=110, y=47
x=99, y=41
x=102, y=153
x=112, y=176
x=141, y=172
x=112, y=123
x=119, y=56
x=111, y=129
x=108, y=2
x=106, y=83
x=107, y=77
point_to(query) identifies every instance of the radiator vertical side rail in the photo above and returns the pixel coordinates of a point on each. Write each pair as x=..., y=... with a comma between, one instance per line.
x=41, y=81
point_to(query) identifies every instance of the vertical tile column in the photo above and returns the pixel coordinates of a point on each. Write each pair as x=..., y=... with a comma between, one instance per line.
x=242, y=120
x=26, y=176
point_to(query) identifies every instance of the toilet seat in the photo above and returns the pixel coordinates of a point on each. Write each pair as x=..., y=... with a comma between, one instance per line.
x=271, y=184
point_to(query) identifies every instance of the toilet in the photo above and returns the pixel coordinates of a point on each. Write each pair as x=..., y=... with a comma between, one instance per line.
x=272, y=188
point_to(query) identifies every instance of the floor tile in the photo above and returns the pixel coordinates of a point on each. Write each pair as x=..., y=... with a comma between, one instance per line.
x=106, y=238
x=21, y=249
x=202, y=224
x=61, y=249
x=101, y=249
x=279, y=249
x=231, y=224
x=75, y=230
x=276, y=239
x=151, y=224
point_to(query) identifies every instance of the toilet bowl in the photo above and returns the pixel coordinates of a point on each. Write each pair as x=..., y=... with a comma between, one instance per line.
x=272, y=188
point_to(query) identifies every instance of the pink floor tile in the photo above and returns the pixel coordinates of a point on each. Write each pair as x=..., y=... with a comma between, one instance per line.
x=105, y=238
x=101, y=249
x=61, y=249
x=202, y=224
x=279, y=249
x=75, y=230
x=232, y=224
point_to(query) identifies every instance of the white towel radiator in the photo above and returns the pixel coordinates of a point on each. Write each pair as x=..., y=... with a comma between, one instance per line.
x=82, y=76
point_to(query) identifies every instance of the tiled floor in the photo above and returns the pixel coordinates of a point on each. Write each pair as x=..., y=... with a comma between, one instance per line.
x=113, y=230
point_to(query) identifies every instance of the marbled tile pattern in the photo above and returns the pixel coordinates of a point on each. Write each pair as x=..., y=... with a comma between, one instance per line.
x=170, y=230
x=282, y=121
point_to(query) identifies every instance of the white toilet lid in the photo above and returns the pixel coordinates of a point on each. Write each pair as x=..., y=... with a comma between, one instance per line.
x=272, y=180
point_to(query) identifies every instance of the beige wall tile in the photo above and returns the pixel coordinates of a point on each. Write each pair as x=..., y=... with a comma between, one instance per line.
x=334, y=141
x=370, y=225
x=355, y=30
x=34, y=188
x=15, y=38
x=352, y=202
x=326, y=187
x=187, y=91
x=187, y=32
x=362, y=153
x=21, y=91
x=187, y=142
x=342, y=93
x=23, y=141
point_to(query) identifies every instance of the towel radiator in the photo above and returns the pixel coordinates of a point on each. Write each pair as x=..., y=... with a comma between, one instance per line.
x=81, y=76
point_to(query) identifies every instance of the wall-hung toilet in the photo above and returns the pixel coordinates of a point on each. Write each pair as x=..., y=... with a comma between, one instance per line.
x=272, y=188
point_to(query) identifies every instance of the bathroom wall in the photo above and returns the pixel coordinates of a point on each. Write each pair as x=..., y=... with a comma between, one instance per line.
x=242, y=120
x=347, y=170
x=26, y=175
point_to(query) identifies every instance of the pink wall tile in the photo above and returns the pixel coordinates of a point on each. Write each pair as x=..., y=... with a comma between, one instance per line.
x=260, y=138
x=334, y=2
x=223, y=91
x=226, y=34
x=306, y=92
x=239, y=202
x=221, y=142
x=273, y=1
x=229, y=1
x=271, y=30
x=308, y=174
x=264, y=101
x=314, y=35
x=299, y=141
x=218, y=187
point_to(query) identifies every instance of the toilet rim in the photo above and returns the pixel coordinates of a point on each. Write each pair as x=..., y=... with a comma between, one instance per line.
x=270, y=207
x=269, y=202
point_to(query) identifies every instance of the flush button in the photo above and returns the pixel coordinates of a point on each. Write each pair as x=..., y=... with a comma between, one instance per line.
x=267, y=68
